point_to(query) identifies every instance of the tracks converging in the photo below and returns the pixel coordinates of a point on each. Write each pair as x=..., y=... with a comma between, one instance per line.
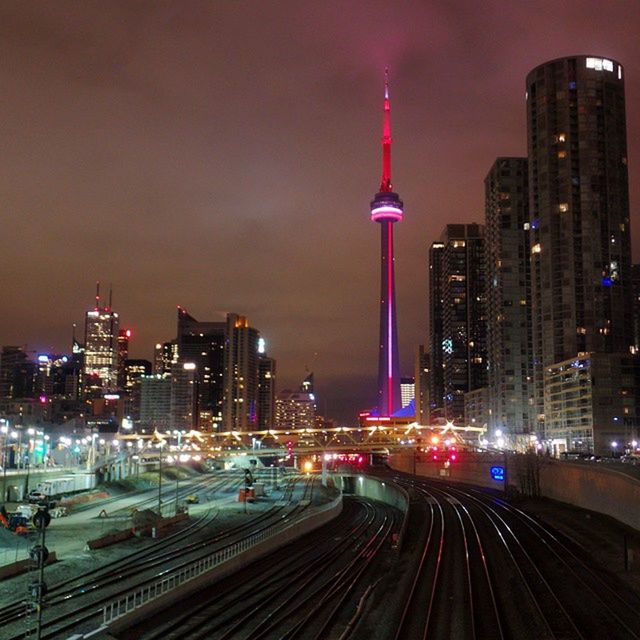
x=305, y=591
x=472, y=567
x=488, y=570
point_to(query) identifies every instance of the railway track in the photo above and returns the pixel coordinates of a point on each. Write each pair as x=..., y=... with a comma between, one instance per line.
x=488, y=570
x=78, y=602
x=310, y=590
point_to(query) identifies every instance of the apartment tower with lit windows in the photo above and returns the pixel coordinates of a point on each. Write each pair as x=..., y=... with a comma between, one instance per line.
x=510, y=365
x=458, y=329
x=580, y=246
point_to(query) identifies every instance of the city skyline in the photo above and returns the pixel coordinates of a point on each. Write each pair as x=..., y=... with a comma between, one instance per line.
x=222, y=159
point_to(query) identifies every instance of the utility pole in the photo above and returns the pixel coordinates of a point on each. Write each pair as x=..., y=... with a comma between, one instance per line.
x=40, y=553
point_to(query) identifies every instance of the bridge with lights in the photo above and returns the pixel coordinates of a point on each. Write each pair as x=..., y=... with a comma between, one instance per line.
x=375, y=438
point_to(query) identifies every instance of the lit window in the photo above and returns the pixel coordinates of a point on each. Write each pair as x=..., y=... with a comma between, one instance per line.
x=562, y=154
x=563, y=207
x=562, y=137
x=601, y=63
x=526, y=226
x=536, y=248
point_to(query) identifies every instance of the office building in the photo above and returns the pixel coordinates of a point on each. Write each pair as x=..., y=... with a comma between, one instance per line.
x=202, y=343
x=164, y=355
x=122, y=351
x=100, y=370
x=155, y=402
x=183, y=412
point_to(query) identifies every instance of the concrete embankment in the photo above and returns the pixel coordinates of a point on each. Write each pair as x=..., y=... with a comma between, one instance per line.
x=589, y=486
x=387, y=492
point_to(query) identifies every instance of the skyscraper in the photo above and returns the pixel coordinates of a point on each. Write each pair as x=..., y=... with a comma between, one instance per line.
x=124, y=335
x=100, y=353
x=459, y=339
x=240, y=404
x=422, y=369
x=386, y=209
x=579, y=217
x=17, y=373
x=266, y=392
x=436, y=301
x=202, y=343
x=509, y=345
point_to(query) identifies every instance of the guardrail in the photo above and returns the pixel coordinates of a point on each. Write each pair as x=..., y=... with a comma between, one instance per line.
x=146, y=594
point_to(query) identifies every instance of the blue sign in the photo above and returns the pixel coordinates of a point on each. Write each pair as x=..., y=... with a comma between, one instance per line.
x=497, y=473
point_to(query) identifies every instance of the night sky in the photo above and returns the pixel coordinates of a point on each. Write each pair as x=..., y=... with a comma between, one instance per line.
x=222, y=155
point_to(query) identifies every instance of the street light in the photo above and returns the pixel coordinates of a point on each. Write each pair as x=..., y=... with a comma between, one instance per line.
x=614, y=446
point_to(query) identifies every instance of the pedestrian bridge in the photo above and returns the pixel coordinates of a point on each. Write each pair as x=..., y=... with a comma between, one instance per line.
x=379, y=437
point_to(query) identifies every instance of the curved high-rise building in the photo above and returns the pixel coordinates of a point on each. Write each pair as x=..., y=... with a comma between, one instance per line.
x=580, y=246
x=386, y=209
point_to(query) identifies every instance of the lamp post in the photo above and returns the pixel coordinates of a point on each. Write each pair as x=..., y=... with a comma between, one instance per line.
x=614, y=446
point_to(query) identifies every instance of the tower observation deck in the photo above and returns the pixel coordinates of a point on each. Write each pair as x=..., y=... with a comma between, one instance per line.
x=387, y=208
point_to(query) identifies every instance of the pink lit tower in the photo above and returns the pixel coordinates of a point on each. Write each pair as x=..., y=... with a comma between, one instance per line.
x=386, y=208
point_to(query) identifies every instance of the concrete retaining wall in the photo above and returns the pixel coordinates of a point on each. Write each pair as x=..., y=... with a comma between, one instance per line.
x=376, y=489
x=593, y=487
x=588, y=486
x=296, y=530
x=470, y=471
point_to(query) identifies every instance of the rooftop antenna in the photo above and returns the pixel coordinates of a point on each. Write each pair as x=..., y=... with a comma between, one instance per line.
x=110, y=295
x=97, y=295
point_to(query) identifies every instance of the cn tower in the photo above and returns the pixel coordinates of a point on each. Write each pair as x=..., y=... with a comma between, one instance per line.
x=386, y=208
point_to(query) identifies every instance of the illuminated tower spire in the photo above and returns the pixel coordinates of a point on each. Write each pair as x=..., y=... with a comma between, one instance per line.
x=387, y=208
x=385, y=183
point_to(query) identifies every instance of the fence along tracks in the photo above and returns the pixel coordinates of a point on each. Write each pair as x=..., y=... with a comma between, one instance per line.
x=307, y=590
x=78, y=601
